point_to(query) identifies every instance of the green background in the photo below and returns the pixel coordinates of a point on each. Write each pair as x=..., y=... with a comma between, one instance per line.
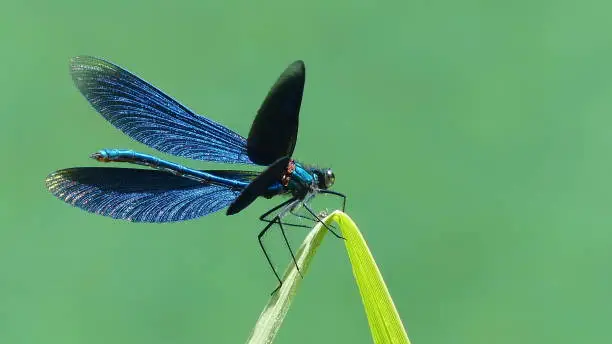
x=474, y=140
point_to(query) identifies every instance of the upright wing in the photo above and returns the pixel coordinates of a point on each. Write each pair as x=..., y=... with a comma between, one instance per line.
x=139, y=195
x=274, y=130
x=149, y=116
x=259, y=185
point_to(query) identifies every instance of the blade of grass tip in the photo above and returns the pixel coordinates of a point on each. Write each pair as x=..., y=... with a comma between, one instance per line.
x=385, y=323
x=271, y=318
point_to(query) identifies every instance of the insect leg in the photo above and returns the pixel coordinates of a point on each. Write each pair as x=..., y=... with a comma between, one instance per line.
x=261, y=234
x=288, y=245
x=343, y=196
x=264, y=216
x=321, y=221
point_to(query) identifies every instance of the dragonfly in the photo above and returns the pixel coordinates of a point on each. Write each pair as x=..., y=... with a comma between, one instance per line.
x=165, y=191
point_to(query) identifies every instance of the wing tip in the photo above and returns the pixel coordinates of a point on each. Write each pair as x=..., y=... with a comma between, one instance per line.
x=77, y=58
x=51, y=178
x=83, y=63
x=231, y=210
x=56, y=180
x=76, y=62
x=297, y=67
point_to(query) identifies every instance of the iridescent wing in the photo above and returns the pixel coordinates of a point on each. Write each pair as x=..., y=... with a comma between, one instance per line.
x=141, y=195
x=149, y=116
x=274, y=131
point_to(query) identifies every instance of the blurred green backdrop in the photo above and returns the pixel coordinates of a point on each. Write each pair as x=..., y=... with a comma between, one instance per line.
x=473, y=138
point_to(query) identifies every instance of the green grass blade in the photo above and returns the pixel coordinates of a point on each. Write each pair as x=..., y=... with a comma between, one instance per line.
x=385, y=323
x=384, y=320
x=274, y=312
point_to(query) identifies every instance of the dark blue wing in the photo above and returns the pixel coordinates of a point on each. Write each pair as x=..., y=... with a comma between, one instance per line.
x=274, y=131
x=259, y=186
x=139, y=195
x=148, y=115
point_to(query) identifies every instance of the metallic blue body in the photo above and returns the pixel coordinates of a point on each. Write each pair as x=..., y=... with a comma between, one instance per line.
x=300, y=182
x=130, y=156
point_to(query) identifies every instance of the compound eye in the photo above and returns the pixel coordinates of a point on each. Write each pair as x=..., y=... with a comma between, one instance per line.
x=330, y=178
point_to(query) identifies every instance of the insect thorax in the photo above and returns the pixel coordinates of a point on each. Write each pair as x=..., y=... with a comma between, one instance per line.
x=298, y=180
